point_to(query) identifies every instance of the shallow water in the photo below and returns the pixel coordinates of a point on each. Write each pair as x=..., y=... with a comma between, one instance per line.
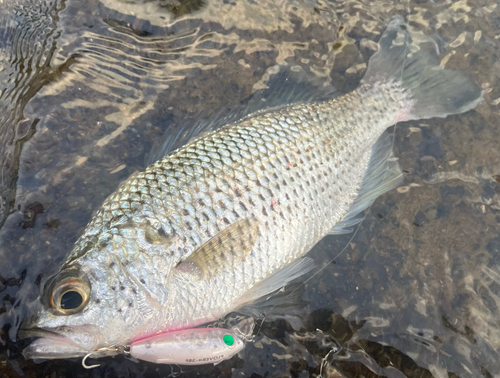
x=88, y=88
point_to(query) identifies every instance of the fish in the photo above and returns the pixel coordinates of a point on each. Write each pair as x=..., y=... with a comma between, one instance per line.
x=229, y=217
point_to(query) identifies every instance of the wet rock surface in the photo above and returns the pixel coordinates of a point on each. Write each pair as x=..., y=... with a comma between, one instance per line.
x=89, y=88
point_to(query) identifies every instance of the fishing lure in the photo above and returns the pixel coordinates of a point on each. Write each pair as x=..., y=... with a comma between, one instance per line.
x=194, y=346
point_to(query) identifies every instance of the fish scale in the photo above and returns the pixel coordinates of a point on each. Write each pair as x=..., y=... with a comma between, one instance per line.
x=290, y=175
x=296, y=156
x=225, y=220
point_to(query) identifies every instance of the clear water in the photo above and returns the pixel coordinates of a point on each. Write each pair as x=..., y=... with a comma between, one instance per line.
x=88, y=88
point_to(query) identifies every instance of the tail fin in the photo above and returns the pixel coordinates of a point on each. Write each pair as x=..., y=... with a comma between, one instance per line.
x=412, y=59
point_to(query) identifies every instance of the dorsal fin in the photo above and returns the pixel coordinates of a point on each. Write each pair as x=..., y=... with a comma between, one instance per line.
x=286, y=85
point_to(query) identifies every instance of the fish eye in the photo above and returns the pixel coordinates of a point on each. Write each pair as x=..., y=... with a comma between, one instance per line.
x=71, y=300
x=69, y=296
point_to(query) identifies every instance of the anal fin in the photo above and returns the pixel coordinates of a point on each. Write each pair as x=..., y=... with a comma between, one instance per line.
x=281, y=278
x=382, y=175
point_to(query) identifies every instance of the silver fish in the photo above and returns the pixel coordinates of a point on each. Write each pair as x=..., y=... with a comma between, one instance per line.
x=229, y=217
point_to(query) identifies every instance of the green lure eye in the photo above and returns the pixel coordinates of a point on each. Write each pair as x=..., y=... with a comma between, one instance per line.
x=228, y=340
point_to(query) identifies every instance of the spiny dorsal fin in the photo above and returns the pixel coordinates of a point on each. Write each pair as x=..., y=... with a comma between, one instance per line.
x=285, y=86
x=226, y=249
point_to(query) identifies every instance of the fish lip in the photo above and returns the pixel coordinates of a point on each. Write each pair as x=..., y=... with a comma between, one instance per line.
x=27, y=333
x=51, y=348
x=51, y=343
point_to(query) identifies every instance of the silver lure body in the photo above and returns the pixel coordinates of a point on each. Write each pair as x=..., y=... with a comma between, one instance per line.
x=194, y=346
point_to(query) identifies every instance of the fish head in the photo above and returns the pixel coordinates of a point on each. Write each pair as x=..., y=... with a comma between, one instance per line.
x=84, y=308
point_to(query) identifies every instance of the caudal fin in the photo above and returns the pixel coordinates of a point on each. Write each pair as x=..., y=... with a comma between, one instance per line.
x=412, y=59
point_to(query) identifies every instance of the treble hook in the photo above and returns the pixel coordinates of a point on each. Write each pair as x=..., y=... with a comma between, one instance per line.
x=120, y=349
x=89, y=366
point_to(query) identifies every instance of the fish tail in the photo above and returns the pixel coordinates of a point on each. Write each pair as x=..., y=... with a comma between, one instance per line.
x=412, y=60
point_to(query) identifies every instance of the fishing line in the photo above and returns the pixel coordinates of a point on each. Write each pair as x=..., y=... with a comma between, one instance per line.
x=369, y=208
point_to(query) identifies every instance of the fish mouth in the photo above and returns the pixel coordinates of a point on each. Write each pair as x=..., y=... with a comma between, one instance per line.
x=50, y=344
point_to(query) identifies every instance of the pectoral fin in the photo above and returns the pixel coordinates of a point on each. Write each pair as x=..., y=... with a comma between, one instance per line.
x=226, y=249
